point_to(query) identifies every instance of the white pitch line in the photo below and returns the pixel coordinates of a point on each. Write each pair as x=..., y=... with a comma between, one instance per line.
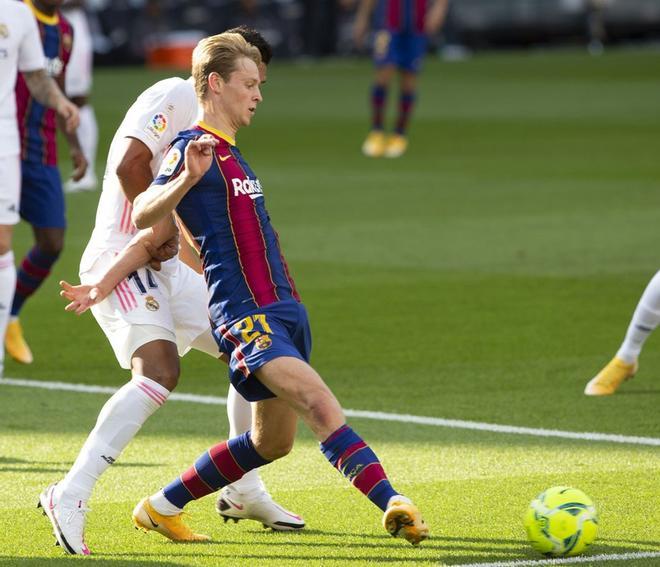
x=376, y=415
x=569, y=560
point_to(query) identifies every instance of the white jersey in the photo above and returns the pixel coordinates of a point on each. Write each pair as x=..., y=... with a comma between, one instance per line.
x=20, y=50
x=78, y=78
x=155, y=118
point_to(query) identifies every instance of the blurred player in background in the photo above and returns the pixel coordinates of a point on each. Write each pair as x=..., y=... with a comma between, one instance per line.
x=149, y=318
x=21, y=51
x=79, y=88
x=400, y=43
x=42, y=200
x=624, y=364
x=256, y=313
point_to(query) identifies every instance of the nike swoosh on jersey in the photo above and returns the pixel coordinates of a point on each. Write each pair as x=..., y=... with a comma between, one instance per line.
x=224, y=158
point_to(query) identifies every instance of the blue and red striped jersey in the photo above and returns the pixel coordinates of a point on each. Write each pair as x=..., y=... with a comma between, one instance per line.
x=401, y=15
x=225, y=214
x=37, y=123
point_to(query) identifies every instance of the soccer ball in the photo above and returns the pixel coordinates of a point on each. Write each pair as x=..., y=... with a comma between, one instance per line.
x=561, y=521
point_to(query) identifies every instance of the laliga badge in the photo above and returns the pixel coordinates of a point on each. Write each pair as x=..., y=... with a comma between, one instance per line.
x=150, y=303
x=262, y=342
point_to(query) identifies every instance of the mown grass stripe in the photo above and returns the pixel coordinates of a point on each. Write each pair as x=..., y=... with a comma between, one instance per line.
x=380, y=416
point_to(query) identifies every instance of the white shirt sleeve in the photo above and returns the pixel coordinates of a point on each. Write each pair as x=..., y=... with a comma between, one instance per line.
x=160, y=113
x=30, y=52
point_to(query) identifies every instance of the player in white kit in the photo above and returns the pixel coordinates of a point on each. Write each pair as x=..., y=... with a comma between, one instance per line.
x=78, y=88
x=150, y=318
x=20, y=50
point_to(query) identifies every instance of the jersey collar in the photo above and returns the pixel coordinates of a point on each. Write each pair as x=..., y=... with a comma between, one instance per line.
x=44, y=18
x=217, y=132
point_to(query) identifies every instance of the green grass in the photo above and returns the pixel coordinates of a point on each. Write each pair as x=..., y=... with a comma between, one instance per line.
x=485, y=276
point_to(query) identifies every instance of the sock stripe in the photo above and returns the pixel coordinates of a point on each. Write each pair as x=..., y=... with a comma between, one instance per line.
x=33, y=269
x=223, y=479
x=194, y=483
x=24, y=289
x=142, y=384
x=334, y=435
x=225, y=462
x=149, y=392
x=349, y=452
x=369, y=477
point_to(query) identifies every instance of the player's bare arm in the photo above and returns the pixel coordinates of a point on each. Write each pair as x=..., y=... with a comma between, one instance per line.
x=134, y=168
x=45, y=90
x=78, y=159
x=159, y=241
x=160, y=200
x=361, y=26
x=436, y=16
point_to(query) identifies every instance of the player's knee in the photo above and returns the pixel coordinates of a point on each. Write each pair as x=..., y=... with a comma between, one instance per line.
x=51, y=245
x=273, y=449
x=166, y=377
x=5, y=239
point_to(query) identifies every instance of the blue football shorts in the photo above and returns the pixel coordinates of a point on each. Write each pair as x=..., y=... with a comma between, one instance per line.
x=279, y=329
x=42, y=199
x=403, y=50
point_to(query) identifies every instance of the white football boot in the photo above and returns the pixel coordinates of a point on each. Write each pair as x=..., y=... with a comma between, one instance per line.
x=67, y=515
x=258, y=506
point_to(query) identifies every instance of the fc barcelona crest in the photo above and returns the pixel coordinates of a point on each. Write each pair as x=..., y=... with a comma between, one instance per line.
x=151, y=304
x=262, y=342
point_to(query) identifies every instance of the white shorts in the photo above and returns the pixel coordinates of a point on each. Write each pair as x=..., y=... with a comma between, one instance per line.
x=171, y=305
x=78, y=78
x=10, y=189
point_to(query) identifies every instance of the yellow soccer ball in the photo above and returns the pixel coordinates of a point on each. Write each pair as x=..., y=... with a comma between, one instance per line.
x=561, y=521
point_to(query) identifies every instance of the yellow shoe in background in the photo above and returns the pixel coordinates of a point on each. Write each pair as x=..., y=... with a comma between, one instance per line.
x=607, y=381
x=402, y=518
x=396, y=146
x=374, y=145
x=15, y=344
x=172, y=527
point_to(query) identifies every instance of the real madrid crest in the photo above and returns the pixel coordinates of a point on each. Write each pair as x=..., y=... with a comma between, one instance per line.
x=150, y=303
x=4, y=31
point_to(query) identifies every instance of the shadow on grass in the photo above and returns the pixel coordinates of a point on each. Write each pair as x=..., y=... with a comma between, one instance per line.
x=39, y=561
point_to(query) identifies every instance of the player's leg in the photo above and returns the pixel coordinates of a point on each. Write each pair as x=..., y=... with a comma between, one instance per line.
x=297, y=383
x=624, y=365
x=150, y=351
x=7, y=283
x=410, y=55
x=374, y=145
x=271, y=437
x=42, y=205
x=247, y=498
x=10, y=183
x=155, y=370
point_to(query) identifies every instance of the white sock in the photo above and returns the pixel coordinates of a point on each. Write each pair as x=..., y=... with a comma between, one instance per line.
x=119, y=421
x=239, y=412
x=7, y=286
x=162, y=505
x=88, y=134
x=644, y=320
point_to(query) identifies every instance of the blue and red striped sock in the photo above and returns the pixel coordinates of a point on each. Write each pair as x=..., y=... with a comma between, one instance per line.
x=33, y=271
x=351, y=456
x=406, y=103
x=378, y=98
x=221, y=465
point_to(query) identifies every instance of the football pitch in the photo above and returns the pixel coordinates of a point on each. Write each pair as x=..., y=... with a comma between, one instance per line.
x=479, y=281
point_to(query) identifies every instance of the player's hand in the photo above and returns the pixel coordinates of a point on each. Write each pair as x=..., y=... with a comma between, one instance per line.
x=82, y=297
x=162, y=253
x=69, y=114
x=79, y=162
x=199, y=155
